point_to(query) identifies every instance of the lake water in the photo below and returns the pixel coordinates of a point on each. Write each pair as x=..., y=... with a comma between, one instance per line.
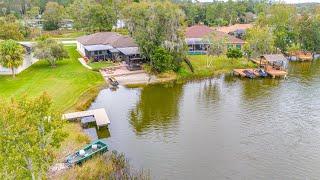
x=221, y=128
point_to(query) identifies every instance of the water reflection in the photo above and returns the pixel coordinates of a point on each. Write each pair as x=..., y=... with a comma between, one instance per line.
x=259, y=88
x=157, y=109
x=221, y=128
x=90, y=128
x=209, y=91
x=306, y=71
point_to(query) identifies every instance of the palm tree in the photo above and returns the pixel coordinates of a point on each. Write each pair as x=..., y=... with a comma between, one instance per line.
x=11, y=55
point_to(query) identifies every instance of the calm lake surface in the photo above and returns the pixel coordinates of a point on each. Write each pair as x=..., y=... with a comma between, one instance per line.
x=221, y=128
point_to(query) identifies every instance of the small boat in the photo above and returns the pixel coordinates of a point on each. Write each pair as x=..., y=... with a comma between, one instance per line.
x=249, y=74
x=90, y=150
x=113, y=81
x=262, y=73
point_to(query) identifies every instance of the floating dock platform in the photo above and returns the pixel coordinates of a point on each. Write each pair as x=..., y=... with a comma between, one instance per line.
x=271, y=72
x=239, y=72
x=99, y=115
x=276, y=73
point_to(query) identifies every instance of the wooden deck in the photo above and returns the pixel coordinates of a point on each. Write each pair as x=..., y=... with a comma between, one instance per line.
x=276, y=73
x=239, y=72
x=272, y=72
x=99, y=115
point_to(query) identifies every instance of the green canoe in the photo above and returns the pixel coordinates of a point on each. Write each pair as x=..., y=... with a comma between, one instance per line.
x=96, y=147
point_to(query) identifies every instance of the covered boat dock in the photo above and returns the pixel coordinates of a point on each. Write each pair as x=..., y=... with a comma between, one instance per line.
x=274, y=64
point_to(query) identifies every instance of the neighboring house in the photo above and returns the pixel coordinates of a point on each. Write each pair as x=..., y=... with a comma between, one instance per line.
x=237, y=30
x=108, y=46
x=27, y=62
x=198, y=39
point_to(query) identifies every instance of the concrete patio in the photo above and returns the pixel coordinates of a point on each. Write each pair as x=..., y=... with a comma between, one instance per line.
x=125, y=77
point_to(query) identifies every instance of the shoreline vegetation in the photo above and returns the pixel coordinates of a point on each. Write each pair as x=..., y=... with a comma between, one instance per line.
x=204, y=67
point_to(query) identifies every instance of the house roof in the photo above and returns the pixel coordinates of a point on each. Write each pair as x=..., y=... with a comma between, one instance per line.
x=198, y=31
x=129, y=50
x=274, y=57
x=26, y=44
x=233, y=28
x=203, y=32
x=99, y=38
x=106, y=41
x=124, y=41
x=99, y=47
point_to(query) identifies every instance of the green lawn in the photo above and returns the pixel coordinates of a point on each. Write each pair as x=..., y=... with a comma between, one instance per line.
x=206, y=66
x=101, y=64
x=64, y=83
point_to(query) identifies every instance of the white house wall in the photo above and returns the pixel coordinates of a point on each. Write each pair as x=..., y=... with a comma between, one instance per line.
x=81, y=49
x=27, y=62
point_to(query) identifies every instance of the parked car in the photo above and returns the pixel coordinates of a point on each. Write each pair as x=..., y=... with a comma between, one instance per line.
x=113, y=81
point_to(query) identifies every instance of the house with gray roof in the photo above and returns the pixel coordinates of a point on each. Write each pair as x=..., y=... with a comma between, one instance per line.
x=108, y=46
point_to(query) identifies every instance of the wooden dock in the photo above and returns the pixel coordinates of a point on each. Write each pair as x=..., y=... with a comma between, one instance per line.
x=271, y=72
x=239, y=72
x=276, y=73
x=99, y=115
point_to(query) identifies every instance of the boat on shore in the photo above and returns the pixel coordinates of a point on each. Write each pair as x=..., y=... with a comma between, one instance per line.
x=262, y=72
x=113, y=81
x=87, y=152
x=249, y=74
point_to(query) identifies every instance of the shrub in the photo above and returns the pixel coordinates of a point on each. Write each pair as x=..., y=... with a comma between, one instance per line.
x=234, y=53
x=162, y=60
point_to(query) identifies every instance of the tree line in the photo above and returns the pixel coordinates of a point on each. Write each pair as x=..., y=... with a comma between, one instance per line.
x=158, y=26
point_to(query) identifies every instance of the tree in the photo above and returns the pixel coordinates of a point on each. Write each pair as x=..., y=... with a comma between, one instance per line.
x=92, y=15
x=102, y=17
x=50, y=50
x=10, y=28
x=282, y=20
x=247, y=51
x=53, y=15
x=217, y=47
x=11, y=55
x=162, y=60
x=309, y=33
x=234, y=53
x=260, y=40
x=194, y=12
x=30, y=132
x=157, y=24
x=32, y=12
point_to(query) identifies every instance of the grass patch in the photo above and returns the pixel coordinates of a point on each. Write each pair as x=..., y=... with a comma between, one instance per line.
x=205, y=66
x=65, y=34
x=65, y=83
x=110, y=165
x=101, y=64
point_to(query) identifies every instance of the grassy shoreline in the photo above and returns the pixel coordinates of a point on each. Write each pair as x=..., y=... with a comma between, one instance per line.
x=204, y=67
x=71, y=87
